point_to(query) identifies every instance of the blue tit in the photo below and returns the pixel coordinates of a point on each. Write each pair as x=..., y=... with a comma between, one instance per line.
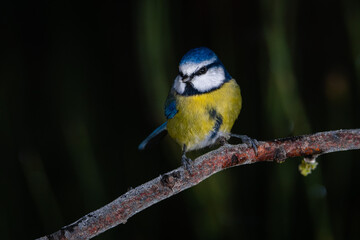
x=202, y=104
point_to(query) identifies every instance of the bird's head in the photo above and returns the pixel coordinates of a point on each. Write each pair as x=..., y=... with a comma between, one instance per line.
x=200, y=71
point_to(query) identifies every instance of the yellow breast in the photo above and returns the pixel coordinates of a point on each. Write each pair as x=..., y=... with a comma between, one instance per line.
x=195, y=121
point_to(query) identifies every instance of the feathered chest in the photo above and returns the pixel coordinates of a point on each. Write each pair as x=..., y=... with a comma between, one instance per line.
x=201, y=118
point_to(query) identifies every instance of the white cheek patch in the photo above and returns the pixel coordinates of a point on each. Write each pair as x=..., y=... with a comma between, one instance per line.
x=213, y=78
x=179, y=86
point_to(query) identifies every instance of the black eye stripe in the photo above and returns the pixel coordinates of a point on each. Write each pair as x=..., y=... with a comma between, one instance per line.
x=201, y=71
x=205, y=68
x=182, y=75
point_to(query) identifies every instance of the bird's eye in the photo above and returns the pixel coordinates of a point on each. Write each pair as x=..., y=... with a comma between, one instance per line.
x=202, y=71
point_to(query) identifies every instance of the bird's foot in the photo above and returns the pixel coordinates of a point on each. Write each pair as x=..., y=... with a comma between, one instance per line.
x=186, y=162
x=223, y=140
x=247, y=140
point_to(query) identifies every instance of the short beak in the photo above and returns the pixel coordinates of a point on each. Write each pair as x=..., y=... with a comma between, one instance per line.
x=185, y=80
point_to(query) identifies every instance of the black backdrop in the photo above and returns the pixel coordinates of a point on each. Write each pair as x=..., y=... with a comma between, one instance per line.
x=82, y=83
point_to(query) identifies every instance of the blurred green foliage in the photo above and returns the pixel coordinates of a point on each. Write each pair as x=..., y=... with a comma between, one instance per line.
x=82, y=83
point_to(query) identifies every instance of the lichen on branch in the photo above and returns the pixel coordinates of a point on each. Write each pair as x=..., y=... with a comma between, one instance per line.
x=175, y=181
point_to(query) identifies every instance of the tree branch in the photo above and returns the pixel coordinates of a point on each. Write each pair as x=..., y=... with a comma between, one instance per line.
x=173, y=182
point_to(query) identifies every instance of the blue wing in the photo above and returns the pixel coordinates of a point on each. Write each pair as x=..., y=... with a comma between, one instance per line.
x=170, y=112
x=158, y=133
x=170, y=105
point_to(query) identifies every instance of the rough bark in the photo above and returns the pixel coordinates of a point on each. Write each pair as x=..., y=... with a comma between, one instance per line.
x=173, y=182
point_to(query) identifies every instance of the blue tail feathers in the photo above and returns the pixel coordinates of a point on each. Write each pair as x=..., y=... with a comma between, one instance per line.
x=159, y=132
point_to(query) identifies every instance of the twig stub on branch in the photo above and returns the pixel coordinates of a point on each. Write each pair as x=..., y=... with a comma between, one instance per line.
x=173, y=182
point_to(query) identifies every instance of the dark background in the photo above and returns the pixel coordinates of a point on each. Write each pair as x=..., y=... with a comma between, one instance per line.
x=82, y=83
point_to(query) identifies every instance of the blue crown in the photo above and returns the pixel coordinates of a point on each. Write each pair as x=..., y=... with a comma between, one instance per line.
x=197, y=55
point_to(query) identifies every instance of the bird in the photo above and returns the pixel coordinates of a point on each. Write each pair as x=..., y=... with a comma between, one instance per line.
x=202, y=105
